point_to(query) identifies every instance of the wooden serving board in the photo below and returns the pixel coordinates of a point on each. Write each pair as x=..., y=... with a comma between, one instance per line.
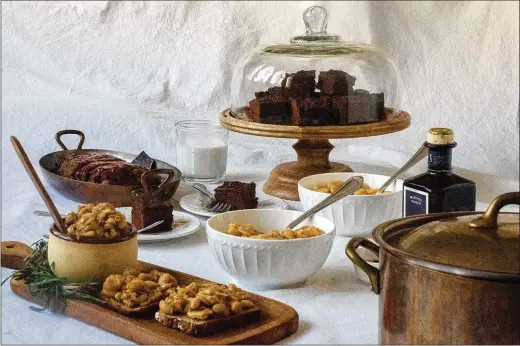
x=277, y=320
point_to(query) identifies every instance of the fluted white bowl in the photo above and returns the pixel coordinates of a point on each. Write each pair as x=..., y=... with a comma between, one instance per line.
x=354, y=215
x=268, y=264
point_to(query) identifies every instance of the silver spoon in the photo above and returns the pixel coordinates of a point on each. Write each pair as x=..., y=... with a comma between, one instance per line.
x=418, y=156
x=348, y=188
x=46, y=213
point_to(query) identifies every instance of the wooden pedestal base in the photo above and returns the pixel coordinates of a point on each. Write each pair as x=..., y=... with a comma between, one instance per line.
x=313, y=158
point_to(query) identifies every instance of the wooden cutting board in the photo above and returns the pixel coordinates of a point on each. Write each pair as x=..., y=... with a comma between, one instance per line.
x=277, y=320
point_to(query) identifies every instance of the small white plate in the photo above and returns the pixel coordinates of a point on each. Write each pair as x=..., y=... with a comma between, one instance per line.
x=184, y=224
x=194, y=204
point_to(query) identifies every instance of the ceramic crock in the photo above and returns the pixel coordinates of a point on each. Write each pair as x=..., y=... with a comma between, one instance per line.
x=447, y=278
x=90, y=260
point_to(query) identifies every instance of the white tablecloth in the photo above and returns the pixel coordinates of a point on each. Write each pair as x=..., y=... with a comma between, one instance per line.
x=333, y=305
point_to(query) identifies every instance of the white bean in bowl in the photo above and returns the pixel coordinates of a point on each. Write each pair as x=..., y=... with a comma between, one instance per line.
x=268, y=264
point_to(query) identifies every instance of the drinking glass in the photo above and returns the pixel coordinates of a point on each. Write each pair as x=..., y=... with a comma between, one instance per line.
x=201, y=148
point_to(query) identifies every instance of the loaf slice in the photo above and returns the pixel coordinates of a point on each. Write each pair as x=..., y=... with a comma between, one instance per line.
x=204, y=327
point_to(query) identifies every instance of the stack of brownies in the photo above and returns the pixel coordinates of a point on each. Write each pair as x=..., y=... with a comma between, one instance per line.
x=297, y=102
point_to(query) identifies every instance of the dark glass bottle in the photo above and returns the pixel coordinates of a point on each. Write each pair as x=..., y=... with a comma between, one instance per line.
x=439, y=189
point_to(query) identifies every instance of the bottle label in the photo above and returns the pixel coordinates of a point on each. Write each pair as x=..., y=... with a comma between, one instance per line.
x=415, y=202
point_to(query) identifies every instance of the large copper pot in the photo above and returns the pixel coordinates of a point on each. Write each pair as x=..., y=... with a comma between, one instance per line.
x=448, y=278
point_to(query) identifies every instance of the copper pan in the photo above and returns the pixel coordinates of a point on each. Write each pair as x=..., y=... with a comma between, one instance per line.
x=84, y=192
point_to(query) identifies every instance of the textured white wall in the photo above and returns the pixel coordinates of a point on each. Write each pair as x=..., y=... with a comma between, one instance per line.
x=125, y=71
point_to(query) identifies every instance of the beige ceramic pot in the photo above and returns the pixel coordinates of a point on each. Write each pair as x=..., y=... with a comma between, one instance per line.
x=92, y=260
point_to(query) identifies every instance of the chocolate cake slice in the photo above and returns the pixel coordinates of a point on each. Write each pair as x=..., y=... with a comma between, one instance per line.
x=335, y=82
x=144, y=213
x=314, y=111
x=301, y=84
x=239, y=195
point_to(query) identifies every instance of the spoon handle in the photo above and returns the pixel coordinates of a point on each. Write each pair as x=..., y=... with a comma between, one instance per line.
x=348, y=188
x=202, y=189
x=143, y=230
x=38, y=184
x=418, y=156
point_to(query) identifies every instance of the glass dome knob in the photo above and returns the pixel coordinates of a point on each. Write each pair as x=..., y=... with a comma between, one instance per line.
x=315, y=19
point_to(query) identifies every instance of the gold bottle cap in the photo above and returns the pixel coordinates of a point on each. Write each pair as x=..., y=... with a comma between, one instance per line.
x=439, y=135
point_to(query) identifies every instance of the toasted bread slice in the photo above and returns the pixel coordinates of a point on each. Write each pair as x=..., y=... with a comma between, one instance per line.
x=203, y=327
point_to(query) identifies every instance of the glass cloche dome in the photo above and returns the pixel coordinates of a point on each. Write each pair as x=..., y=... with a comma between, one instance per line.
x=316, y=70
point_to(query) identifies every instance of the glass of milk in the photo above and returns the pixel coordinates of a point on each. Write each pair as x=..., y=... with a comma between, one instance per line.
x=201, y=148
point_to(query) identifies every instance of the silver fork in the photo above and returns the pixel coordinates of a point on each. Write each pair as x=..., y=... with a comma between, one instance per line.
x=213, y=206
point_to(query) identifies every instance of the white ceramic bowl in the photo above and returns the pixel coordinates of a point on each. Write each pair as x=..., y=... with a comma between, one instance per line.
x=354, y=215
x=268, y=264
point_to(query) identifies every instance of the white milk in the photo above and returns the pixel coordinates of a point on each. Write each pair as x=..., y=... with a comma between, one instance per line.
x=202, y=158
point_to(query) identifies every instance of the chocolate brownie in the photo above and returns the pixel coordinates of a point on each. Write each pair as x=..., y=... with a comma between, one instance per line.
x=335, y=82
x=298, y=103
x=144, y=213
x=314, y=111
x=363, y=108
x=300, y=84
x=270, y=108
x=239, y=195
x=378, y=102
x=340, y=109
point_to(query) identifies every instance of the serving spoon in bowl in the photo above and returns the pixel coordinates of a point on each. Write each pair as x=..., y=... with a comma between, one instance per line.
x=418, y=156
x=349, y=187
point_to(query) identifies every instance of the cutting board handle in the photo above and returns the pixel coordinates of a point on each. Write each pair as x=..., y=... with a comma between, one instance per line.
x=14, y=253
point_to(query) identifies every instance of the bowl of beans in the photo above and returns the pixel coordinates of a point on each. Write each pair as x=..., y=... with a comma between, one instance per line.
x=258, y=252
x=357, y=214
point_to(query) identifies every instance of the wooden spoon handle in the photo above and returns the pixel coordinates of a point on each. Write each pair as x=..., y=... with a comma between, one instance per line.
x=38, y=184
x=13, y=254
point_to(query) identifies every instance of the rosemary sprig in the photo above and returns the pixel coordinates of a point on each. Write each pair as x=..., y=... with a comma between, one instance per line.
x=44, y=284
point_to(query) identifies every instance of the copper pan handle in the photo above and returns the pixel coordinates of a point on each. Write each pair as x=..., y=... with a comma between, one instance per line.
x=161, y=188
x=70, y=132
x=373, y=273
x=489, y=219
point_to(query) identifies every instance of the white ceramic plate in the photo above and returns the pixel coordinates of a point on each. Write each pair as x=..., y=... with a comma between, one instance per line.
x=194, y=204
x=188, y=224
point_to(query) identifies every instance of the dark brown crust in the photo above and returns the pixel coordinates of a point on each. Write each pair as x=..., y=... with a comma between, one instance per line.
x=199, y=327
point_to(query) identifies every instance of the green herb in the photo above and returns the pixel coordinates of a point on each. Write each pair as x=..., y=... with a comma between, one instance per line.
x=43, y=284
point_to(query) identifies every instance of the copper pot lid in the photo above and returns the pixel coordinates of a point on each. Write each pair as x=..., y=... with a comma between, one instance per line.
x=459, y=243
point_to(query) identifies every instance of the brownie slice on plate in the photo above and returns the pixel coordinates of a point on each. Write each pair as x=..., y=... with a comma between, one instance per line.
x=239, y=195
x=144, y=213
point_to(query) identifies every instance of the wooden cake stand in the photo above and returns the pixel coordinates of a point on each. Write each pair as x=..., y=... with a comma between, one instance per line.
x=313, y=147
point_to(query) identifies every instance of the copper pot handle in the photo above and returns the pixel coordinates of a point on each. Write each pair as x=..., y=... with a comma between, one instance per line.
x=489, y=219
x=373, y=273
x=164, y=183
x=70, y=132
